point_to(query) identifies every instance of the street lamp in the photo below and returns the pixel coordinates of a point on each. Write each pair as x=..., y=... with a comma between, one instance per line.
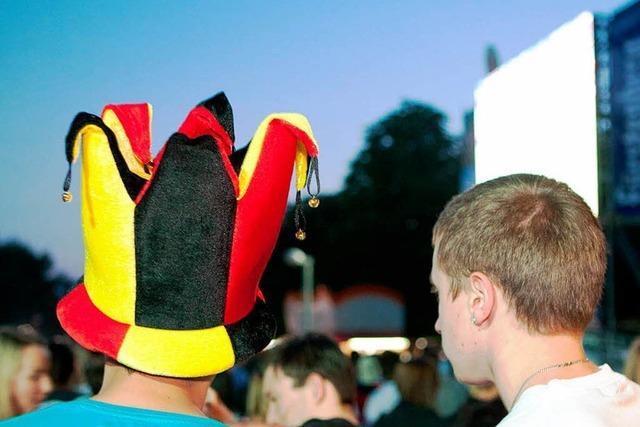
x=295, y=257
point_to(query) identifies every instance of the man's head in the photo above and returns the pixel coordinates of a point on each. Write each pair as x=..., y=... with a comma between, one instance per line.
x=526, y=239
x=307, y=377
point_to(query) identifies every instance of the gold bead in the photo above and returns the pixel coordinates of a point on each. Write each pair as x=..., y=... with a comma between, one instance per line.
x=67, y=196
x=301, y=235
x=314, y=202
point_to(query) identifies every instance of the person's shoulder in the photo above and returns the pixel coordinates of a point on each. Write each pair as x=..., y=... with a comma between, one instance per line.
x=84, y=412
x=605, y=398
x=49, y=415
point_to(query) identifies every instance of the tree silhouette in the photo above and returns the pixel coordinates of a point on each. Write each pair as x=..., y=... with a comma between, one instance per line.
x=31, y=289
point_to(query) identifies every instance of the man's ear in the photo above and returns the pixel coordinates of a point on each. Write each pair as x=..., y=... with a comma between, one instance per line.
x=315, y=385
x=482, y=298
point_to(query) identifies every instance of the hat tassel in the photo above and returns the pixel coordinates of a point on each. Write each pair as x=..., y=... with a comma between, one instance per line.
x=66, y=194
x=298, y=214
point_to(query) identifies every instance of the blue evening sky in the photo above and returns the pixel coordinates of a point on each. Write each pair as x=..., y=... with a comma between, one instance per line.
x=344, y=64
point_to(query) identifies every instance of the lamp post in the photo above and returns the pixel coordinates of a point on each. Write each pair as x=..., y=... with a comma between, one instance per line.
x=298, y=258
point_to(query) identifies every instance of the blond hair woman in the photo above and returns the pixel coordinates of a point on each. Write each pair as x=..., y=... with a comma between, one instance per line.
x=24, y=372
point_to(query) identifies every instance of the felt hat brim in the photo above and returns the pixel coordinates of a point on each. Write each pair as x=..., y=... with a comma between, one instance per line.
x=173, y=353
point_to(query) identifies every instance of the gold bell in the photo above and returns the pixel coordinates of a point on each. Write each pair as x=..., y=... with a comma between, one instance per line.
x=301, y=235
x=313, y=202
x=67, y=196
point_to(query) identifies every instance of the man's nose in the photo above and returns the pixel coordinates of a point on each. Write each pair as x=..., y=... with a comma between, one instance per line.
x=437, y=326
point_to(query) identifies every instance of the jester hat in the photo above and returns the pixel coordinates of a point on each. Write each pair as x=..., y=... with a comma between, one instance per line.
x=175, y=247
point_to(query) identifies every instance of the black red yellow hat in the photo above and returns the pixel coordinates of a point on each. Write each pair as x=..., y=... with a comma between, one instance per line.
x=175, y=247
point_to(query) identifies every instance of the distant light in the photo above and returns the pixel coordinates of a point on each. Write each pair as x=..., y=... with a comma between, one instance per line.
x=376, y=345
x=405, y=356
x=295, y=257
x=422, y=343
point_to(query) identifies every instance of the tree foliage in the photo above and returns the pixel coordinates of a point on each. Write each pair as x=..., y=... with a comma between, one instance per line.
x=30, y=288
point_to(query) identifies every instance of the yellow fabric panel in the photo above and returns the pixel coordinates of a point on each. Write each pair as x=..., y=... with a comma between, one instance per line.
x=133, y=163
x=255, y=148
x=107, y=219
x=191, y=353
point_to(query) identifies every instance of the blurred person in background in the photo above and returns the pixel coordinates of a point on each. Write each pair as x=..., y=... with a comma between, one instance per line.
x=417, y=381
x=368, y=377
x=386, y=396
x=518, y=267
x=309, y=382
x=256, y=404
x=94, y=370
x=216, y=409
x=64, y=371
x=483, y=409
x=632, y=362
x=231, y=387
x=24, y=372
x=451, y=393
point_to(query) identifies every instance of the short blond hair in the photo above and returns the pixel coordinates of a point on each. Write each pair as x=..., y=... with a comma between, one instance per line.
x=536, y=239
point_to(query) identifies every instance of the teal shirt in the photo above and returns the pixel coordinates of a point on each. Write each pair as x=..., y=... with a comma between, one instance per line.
x=86, y=412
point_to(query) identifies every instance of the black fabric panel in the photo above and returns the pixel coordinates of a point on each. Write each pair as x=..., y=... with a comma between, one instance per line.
x=237, y=157
x=132, y=182
x=221, y=108
x=253, y=333
x=183, y=231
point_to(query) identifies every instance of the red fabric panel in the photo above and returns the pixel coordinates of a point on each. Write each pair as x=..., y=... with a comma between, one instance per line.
x=135, y=120
x=259, y=217
x=87, y=325
x=201, y=121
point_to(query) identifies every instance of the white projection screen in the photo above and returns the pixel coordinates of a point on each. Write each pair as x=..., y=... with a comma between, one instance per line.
x=537, y=112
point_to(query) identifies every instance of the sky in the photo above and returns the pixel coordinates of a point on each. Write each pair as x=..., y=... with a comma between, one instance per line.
x=344, y=64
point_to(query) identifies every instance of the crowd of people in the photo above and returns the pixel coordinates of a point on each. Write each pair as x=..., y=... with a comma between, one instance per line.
x=304, y=380
x=175, y=249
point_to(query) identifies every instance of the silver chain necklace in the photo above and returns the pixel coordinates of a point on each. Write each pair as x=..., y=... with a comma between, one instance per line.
x=545, y=369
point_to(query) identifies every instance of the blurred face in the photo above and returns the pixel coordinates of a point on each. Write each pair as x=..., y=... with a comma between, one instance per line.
x=287, y=404
x=32, y=383
x=454, y=324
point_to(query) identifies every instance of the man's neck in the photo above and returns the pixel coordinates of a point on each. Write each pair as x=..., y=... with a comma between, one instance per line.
x=137, y=389
x=524, y=360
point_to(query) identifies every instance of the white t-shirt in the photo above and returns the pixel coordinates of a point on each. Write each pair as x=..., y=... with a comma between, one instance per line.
x=604, y=398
